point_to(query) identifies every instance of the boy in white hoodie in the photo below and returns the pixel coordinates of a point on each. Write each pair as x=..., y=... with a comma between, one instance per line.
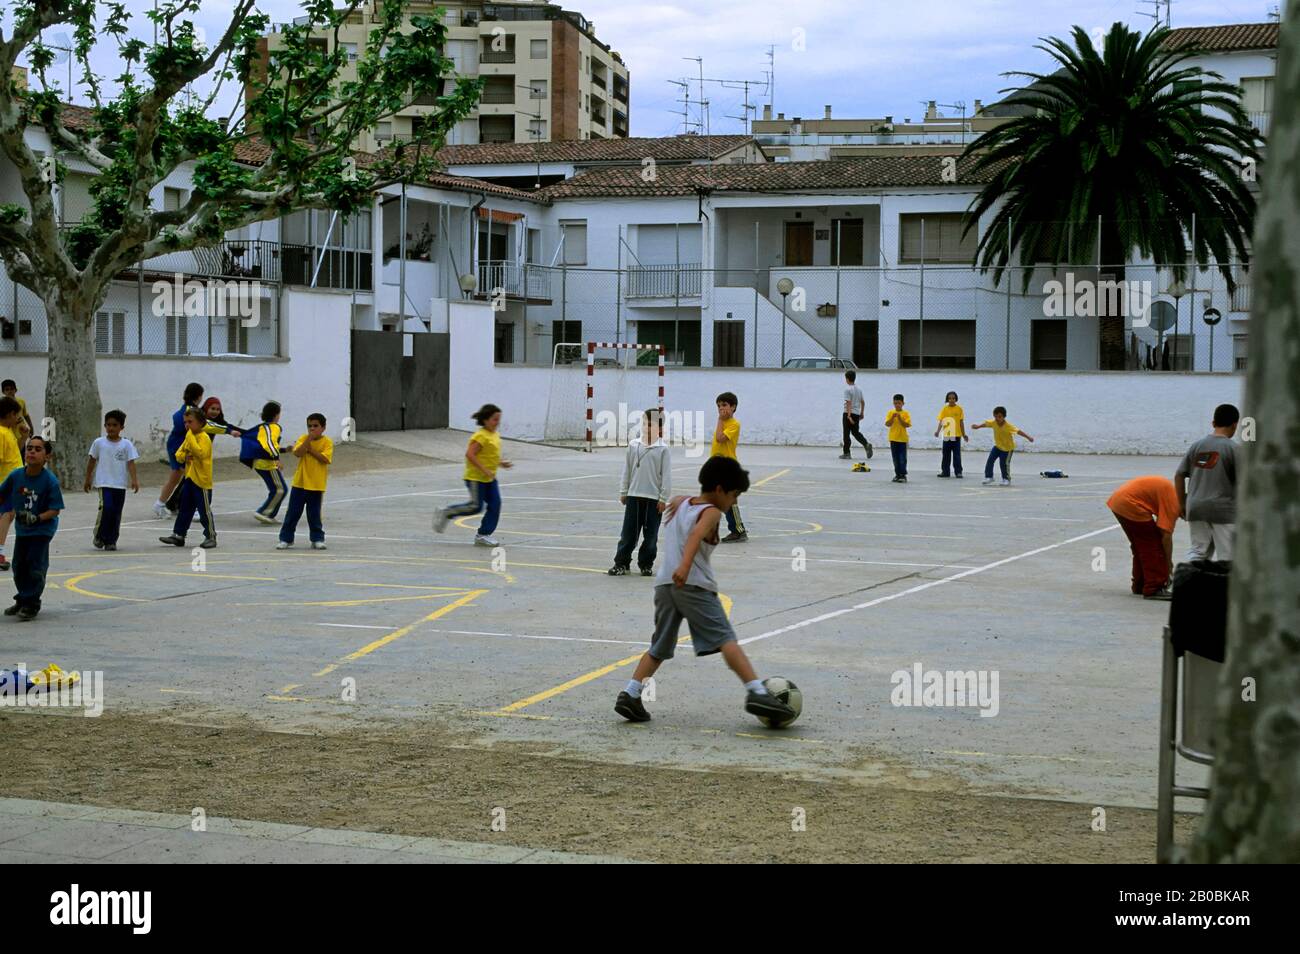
x=643, y=492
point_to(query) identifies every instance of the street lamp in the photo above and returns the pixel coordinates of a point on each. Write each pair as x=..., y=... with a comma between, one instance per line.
x=468, y=282
x=784, y=286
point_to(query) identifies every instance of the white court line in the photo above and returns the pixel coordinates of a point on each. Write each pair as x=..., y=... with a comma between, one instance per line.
x=922, y=586
x=569, y=639
x=439, y=493
x=355, y=626
x=928, y=566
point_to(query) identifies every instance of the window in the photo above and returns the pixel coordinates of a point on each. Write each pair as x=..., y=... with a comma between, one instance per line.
x=575, y=241
x=537, y=49
x=943, y=239
x=178, y=335
x=1257, y=101
x=504, y=346
x=236, y=336
x=534, y=245
x=848, y=232
x=350, y=49
x=383, y=131
x=173, y=199
x=1239, y=352
x=537, y=89
x=462, y=54
x=946, y=344
x=537, y=129
x=110, y=332
x=1047, y=344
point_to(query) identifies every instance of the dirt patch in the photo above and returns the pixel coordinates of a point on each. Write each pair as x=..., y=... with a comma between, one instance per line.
x=426, y=778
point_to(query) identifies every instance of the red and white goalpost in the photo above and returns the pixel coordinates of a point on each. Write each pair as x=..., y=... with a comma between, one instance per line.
x=592, y=346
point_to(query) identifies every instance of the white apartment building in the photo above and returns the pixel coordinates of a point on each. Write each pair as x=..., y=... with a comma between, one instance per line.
x=547, y=76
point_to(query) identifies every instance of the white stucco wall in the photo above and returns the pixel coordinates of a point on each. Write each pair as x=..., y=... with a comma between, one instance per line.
x=314, y=375
x=1067, y=412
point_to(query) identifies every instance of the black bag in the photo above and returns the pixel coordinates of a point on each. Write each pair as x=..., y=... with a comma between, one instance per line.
x=1198, y=613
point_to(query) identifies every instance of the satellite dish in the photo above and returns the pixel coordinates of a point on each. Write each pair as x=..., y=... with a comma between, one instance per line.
x=1162, y=316
x=1212, y=316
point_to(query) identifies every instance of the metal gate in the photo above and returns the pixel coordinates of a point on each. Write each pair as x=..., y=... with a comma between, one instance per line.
x=394, y=391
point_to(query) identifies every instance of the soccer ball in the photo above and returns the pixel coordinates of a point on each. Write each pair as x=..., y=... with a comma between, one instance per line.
x=787, y=692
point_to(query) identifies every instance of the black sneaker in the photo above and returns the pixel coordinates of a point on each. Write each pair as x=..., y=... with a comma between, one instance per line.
x=870, y=451
x=110, y=546
x=27, y=614
x=12, y=610
x=958, y=476
x=172, y=540
x=1165, y=592
x=208, y=543
x=617, y=570
x=845, y=457
x=944, y=476
x=767, y=706
x=631, y=709
x=898, y=479
x=98, y=543
x=647, y=571
x=735, y=538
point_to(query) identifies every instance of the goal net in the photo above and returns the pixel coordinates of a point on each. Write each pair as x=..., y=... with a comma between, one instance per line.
x=599, y=390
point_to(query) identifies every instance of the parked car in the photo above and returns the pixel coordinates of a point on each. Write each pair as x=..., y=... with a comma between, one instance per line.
x=819, y=363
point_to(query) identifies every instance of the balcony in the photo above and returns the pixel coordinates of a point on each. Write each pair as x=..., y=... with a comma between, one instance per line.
x=494, y=96
x=258, y=260
x=520, y=281
x=664, y=281
x=497, y=56
x=1241, y=294
x=598, y=81
x=1261, y=122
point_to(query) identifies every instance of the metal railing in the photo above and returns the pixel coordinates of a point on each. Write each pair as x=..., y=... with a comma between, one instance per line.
x=516, y=279
x=498, y=96
x=664, y=281
x=497, y=56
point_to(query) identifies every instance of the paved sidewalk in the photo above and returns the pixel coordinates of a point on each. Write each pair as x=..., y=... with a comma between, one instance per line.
x=35, y=832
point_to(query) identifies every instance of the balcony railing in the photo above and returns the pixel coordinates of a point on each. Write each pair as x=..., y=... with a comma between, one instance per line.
x=498, y=96
x=517, y=279
x=597, y=81
x=664, y=281
x=1260, y=121
x=260, y=260
x=497, y=56
x=1241, y=294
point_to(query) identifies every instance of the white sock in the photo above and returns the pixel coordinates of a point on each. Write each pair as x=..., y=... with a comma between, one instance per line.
x=634, y=688
x=756, y=685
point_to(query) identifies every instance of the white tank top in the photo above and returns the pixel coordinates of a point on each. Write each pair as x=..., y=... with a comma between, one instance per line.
x=676, y=531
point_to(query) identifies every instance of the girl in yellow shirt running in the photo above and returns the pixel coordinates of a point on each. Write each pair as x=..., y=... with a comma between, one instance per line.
x=482, y=457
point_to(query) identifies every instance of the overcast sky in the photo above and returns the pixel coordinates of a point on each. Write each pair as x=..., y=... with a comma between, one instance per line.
x=863, y=57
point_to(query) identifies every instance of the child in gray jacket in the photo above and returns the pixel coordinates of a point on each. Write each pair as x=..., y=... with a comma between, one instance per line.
x=643, y=492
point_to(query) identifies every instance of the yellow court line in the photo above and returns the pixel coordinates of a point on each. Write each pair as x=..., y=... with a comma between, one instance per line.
x=377, y=599
x=71, y=585
x=397, y=634
x=760, y=483
x=594, y=674
x=406, y=586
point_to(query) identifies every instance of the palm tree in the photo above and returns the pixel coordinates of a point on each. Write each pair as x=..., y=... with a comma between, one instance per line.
x=1122, y=147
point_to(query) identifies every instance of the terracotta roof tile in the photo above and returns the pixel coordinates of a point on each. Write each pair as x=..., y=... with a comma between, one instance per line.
x=870, y=172
x=663, y=149
x=1227, y=38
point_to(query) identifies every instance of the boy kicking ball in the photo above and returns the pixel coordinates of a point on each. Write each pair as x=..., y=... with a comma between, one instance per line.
x=685, y=589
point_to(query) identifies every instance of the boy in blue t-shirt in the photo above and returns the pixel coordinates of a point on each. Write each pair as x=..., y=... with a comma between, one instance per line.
x=33, y=494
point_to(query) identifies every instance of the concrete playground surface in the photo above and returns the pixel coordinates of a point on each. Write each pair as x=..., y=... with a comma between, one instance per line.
x=414, y=685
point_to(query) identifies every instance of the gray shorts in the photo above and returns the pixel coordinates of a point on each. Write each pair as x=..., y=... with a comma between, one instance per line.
x=701, y=609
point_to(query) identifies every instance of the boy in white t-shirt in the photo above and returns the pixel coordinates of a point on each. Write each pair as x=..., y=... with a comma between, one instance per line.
x=108, y=468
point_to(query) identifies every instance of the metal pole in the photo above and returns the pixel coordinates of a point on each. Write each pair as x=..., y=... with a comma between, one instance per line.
x=329, y=232
x=920, y=323
x=839, y=257
x=1007, y=364
x=1191, y=313
x=401, y=262
x=783, y=331
x=677, y=290
x=618, y=290
x=756, y=277
x=526, y=269
x=139, y=310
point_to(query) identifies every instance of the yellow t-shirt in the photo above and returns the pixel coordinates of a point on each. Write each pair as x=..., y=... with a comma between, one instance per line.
x=10, y=459
x=730, y=430
x=196, y=454
x=489, y=456
x=311, y=473
x=273, y=448
x=898, y=429
x=1004, y=436
x=950, y=421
